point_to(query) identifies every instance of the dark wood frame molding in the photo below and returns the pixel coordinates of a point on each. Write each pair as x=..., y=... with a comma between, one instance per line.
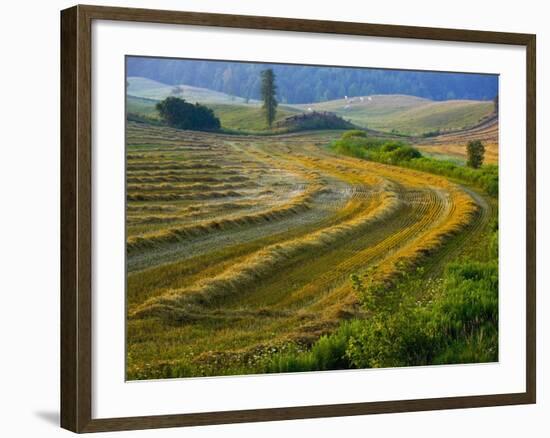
x=76, y=173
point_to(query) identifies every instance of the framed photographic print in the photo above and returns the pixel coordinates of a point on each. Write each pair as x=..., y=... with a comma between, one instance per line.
x=268, y=219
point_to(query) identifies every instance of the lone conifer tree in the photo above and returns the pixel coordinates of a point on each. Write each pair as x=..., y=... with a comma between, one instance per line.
x=476, y=154
x=268, y=91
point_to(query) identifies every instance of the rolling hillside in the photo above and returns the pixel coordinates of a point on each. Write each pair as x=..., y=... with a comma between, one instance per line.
x=240, y=117
x=403, y=115
x=247, y=117
x=147, y=88
x=407, y=115
x=438, y=129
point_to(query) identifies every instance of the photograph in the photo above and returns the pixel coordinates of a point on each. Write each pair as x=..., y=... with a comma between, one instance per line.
x=304, y=218
x=275, y=220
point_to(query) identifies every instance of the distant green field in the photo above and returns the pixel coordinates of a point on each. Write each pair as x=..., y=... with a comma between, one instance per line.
x=243, y=117
x=407, y=115
x=247, y=117
x=142, y=106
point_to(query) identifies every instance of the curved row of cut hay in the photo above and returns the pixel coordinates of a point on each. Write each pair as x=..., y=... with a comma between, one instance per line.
x=175, y=303
x=256, y=202
x=186, y=179
x=206, y=256
x=189, y=187
x=192, y=212
x=463, y=212
x=189, y=169
x=140, y=208
x=299, y=203
x=170, y=166
x=417, y=216
x=155, y=177
x=440, y=213
x=175, y=173
x=193, y=308
x=178, y=196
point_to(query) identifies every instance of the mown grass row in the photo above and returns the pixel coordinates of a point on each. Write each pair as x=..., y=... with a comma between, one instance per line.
x=198, y=175
x=169, y=235
x=179, y=303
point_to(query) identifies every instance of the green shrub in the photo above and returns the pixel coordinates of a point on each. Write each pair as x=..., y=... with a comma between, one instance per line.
x=486, y=177
x=476, y=154
x=354, y=133
x=328, y=353
x=389, y=147
x=402, y=154
x=461, y=325
x=180, y=114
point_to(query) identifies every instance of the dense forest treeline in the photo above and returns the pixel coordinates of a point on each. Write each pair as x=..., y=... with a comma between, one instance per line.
x=305, y=84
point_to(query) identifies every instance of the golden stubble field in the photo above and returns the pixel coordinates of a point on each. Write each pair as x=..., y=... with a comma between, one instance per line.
x=238, y=246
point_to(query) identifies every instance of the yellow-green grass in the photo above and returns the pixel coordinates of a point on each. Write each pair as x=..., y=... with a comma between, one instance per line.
x=233, y=116
x=399, y=114
x=248, y=117
x=206, y=301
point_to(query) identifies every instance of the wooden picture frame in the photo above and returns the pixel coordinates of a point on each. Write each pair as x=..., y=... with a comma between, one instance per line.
x=76, y=218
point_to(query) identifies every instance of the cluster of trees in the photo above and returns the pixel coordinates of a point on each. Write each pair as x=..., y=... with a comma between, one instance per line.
x=305, y=84
x=180, y=114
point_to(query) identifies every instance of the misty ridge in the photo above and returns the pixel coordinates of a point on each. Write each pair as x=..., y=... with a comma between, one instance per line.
x=308, y=84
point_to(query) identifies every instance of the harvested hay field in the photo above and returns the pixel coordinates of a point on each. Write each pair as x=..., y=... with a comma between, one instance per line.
x=242, y=246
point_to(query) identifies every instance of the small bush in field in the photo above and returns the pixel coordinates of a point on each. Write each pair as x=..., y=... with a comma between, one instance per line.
x=354, y=133
x=476, y=153
x=180, y=114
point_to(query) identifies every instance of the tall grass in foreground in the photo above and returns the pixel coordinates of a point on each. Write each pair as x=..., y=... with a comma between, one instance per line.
x=412, y=322
x=355, y=143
